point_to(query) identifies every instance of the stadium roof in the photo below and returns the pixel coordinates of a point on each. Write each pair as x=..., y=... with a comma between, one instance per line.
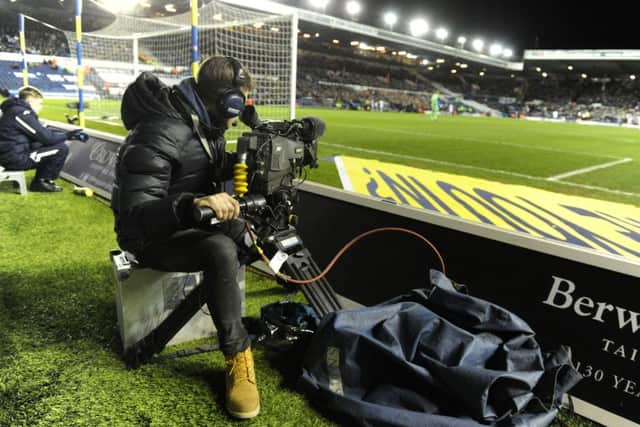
x=406, y=41
x=317, y=38
x=592, y=62
x=57, y=13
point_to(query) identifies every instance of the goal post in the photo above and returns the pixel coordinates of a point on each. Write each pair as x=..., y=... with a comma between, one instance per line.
x=265, y=43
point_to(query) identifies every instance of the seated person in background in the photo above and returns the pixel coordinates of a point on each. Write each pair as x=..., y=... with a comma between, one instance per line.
x=26, y=144
x=167, y=165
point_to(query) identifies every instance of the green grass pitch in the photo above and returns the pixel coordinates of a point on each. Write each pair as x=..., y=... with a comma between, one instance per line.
x=59, y=351
x=504, y=150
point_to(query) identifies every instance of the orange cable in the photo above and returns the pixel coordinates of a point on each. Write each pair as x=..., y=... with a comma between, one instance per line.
x=345, y=248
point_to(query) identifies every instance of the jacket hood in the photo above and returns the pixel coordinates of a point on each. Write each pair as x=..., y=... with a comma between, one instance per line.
x=146, y=97
x=9, y=103
x=187, y=88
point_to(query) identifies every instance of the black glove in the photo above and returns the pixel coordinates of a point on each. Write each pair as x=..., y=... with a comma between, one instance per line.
x=78, y=135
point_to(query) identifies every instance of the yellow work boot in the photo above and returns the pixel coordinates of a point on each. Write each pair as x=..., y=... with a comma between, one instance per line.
x=242, y=396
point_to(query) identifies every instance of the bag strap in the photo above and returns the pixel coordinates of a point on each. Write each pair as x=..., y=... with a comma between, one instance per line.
x=195, y=124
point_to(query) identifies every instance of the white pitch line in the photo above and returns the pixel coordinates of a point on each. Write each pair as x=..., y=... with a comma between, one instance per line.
x=476, y=140
x=587, y=170
x=494, y=171
x=428, y=160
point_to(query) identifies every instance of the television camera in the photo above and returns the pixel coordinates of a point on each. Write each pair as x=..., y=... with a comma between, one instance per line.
x=272, y=161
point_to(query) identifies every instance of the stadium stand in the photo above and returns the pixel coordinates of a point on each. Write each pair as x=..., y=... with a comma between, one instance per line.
x=40, y=42
x=53, y=80
x=341, y=77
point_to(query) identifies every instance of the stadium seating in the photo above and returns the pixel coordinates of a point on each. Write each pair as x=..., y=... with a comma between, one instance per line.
x=53, y=81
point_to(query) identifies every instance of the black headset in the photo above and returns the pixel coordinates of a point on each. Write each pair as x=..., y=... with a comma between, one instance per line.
x=231, y=98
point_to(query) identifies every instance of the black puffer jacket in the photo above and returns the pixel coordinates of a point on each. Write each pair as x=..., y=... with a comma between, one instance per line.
x=162, y=164
x=21, y=132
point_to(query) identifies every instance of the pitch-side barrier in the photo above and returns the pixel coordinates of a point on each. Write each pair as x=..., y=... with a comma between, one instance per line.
x=569, y=295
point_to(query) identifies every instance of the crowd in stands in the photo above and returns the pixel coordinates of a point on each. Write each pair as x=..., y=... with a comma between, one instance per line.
x=614, y=100
x=357, y=83
x=39, y=42
x=349, y=82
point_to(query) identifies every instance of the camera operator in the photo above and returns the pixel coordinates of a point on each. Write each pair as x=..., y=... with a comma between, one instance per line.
x=172, y=160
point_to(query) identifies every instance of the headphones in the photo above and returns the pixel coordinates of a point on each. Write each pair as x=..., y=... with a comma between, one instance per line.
x=231, y=98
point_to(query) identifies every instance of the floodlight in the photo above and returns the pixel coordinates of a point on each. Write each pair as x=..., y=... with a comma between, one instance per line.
x=570, y=68
x=353, y=8
x=462, y=40
x=418, y=27
x=319, y=4
x=390, y=18
x=430, y=68
x=336, y=41
x=495, y=49
x=478, y=44
x=507, y=53
x=440, y=61
x=453, y=71
x=538, y=69
x=442, y=33
x=545, y=75
x=584, y=76
x=463, y=66
x=425, y=62
x=317, y=35
x=306, y=35
x=481, y=73
x=632, y=76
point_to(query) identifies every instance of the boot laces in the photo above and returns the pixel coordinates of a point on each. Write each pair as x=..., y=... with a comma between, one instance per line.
x=242, y=366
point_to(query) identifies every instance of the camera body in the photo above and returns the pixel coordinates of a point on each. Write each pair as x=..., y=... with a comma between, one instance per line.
x=276, y=154
x=270, y=159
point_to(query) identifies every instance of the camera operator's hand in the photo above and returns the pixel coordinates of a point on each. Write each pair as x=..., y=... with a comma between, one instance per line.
x=225, y=206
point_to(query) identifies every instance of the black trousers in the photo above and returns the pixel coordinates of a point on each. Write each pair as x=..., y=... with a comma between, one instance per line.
x=217, y=253
x=47, y=161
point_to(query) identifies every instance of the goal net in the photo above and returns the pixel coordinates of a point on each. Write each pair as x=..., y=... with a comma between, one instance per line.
x=115, y=55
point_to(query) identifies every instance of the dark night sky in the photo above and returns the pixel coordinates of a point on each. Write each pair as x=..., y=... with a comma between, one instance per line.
x=519, y=24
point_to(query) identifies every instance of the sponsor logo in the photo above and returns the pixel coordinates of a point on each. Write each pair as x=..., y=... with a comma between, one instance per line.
x=603, y=226
x=562, y=295
x=101, y=154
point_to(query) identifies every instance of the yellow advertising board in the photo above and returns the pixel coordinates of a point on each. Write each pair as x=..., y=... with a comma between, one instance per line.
x=608, y=227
